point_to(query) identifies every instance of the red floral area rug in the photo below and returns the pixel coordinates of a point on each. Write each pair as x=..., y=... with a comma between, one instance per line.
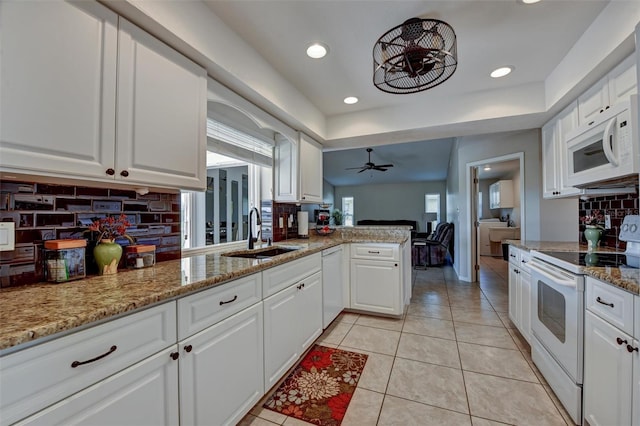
x=320, y=388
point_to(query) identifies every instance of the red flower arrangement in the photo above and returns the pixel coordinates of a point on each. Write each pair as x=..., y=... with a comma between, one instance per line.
x=111, y=228
x=595, y=219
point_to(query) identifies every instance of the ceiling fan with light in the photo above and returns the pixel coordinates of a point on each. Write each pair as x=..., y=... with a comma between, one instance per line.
x=371, y=166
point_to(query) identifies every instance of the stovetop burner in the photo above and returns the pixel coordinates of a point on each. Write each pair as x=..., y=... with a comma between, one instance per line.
x=595, y=259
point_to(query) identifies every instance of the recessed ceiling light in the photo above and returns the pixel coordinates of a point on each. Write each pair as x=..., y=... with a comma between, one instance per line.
x=349, y=100
x=501, y=72
x=529, y=1
x=317, y=50
x=486, y=168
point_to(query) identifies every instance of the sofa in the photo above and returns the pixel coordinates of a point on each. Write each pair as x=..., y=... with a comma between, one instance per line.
x=433, y=250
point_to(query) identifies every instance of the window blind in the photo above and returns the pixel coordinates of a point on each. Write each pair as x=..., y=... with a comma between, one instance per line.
x=226, y=140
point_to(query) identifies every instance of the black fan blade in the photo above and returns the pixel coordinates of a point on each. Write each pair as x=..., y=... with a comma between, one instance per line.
x=355, y=168
x=384, y=165
x=363, y=170
x=379, y=168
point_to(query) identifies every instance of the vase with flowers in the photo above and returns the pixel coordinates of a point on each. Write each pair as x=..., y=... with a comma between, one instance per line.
x=594, y=226
x=107, y=252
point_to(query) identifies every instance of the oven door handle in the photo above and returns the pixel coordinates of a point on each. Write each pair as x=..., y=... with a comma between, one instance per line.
x=554, y=276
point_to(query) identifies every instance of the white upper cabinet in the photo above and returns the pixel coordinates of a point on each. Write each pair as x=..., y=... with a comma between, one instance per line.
x=58, y=86
x=310, y=170
x=94, y=102
x=162, y=113
x=501, y=194
x=615, y=87
x=554, y=151
x=297, y=170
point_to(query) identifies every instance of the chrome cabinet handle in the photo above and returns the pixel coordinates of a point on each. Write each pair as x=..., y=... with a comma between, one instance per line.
x=111, y=350
x=602, y=302
x=229, y=301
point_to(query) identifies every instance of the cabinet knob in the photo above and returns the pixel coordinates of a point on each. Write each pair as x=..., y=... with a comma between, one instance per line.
x=124, y=173
x=188, y=348
x=590, y=123
x=620, y=341
x=631, y=348
x=174, y=355
x=607, y=107
x=602, y=110
x=110, y=172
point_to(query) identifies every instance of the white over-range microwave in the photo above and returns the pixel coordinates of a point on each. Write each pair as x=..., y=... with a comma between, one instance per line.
x=605, y=149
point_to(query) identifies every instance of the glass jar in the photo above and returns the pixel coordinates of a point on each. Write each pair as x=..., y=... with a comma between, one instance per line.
x=64, y=260
x=140, y=256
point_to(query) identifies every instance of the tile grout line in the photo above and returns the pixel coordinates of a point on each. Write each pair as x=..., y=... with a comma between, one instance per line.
x=464, y=382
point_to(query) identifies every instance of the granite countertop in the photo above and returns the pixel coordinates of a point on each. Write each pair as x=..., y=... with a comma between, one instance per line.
x=36, y=311
x=623, y=277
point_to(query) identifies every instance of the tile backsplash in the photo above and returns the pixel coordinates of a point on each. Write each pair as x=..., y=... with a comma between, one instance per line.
x=45, y=212
x=617, y=206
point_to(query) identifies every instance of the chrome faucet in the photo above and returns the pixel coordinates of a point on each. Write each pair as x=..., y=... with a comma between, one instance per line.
x=258, y=222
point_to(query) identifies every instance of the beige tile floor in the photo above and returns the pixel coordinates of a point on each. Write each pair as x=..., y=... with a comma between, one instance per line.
x=453, y=359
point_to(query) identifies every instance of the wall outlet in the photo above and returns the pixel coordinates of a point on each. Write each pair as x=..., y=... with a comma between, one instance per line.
x=607, y=221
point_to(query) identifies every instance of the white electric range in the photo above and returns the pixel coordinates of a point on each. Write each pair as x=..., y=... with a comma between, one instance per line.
x=557, y=310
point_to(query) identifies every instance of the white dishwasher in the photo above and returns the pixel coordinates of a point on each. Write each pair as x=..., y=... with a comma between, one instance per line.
x=332, y=282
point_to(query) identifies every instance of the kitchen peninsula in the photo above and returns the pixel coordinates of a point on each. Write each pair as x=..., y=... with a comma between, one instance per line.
x=114, y=335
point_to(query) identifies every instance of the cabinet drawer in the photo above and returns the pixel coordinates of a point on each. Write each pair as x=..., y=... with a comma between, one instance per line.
x=201, y=310
x=514, y=255
x=375, y=251
x=44, y=374
x=282, y=276
x=611, y=304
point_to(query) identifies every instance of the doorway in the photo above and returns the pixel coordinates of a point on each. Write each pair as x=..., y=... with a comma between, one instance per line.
x=509, y=171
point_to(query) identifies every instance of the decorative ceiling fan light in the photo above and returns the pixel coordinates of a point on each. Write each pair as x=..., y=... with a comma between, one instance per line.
x=417, y=55
x=501, y=72
x=317, y=50
x=350, y=100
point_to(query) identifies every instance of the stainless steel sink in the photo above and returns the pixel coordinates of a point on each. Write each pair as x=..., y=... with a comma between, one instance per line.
x=261, y=254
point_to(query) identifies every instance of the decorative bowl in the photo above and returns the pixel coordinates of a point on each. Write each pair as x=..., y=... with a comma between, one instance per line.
x=325, y=230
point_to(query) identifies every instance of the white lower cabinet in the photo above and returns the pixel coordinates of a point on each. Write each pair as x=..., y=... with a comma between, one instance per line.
x=42, y=375
x=143, y=394
x=611, y=387
x=374, y=286
x=221, y=370
x=607, y=373
x=292, y=321
x=525, y=304
x=377, y=279
x=520, y=291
